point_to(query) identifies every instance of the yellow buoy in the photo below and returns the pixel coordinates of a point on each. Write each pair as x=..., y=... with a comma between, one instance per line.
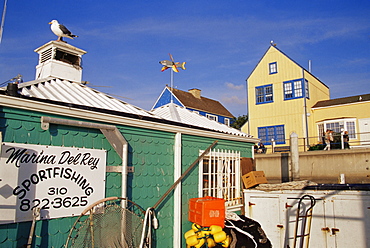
x=195, y=227
x=203, y=233
x=215, y=229
x=200, y=244
x=227, y=241
x=189, y=233
x=192, y=240
x=219, y=237
x=211, y=242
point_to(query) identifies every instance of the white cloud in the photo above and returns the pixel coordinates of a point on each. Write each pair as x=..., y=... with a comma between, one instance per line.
x=234, y=87
x=235, y=100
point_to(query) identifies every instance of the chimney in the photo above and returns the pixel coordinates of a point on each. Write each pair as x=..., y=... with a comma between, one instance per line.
x=12, y=90
x=195, y=92
x=59, y=60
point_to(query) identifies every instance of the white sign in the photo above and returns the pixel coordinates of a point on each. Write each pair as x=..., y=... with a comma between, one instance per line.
x=61, y=181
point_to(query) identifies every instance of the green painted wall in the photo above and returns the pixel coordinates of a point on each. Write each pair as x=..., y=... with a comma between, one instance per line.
x=191, y=146
x=151, y=153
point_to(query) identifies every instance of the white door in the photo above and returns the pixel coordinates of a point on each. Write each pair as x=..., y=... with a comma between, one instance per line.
x=266, y=211
x=364, y=125
x=351, y=215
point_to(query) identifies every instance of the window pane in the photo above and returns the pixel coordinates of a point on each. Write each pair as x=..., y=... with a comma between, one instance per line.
x=270, y=133
x=273, y=68
x=298, y=89
x=321, y=131
x=262, y=134
x=266, y=134
x=264, y=94
x=280, y=136
x=288, y=91
x=351, y=129
x=307, y=91
x=268, y=91
x=259, y=94
x=333, y=126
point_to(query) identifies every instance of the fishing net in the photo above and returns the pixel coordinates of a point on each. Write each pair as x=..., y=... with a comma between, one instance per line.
x=110, y=222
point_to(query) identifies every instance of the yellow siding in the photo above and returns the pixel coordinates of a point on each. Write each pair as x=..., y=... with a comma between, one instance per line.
x=359, y=110
x=290, y=113
x=294, y=113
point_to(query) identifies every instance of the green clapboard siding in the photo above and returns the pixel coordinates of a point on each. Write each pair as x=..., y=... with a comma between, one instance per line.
x=18, y=126
x=151, y=154
x=191, y=145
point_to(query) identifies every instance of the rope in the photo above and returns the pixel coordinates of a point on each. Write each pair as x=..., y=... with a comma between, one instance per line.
x=149, y=221
x=243, y=232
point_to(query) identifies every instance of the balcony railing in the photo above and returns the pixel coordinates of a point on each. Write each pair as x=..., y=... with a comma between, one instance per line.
x=360, y=140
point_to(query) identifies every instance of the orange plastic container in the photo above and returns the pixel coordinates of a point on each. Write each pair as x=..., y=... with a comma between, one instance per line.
x=207, y=211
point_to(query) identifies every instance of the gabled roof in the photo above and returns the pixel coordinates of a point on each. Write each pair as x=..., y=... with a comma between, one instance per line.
x=176, y=113
x=274, y=47
x=201, y=104
x=342, y=101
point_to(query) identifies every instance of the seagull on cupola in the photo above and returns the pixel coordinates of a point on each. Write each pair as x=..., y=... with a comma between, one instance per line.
x=60, y=30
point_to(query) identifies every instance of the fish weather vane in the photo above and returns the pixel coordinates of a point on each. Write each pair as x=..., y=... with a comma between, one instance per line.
x=174, y=66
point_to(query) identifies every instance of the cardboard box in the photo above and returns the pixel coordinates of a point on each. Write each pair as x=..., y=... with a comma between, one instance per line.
x=207, y=211
x=254, y=178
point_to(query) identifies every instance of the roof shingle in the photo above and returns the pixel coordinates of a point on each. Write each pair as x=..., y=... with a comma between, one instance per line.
x=201, y=104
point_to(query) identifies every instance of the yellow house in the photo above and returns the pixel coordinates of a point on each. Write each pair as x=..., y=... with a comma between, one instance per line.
x=345, y=114
x=283, y=97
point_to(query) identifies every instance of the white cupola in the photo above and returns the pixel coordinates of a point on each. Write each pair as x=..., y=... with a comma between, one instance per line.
x=59, y=60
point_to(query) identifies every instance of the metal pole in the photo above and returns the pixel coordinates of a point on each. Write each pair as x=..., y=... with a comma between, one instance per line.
x=305, y=89
x=171, y=85
x=3, y=21
x=184, y=174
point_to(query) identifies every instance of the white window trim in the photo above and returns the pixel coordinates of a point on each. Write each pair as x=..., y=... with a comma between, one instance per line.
x=212, y=117
x=344, y=120
x=228, y=179
x=273, y=67
x=227, y=121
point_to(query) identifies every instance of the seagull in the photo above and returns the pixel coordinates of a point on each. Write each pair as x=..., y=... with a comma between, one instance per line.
x=60, y=30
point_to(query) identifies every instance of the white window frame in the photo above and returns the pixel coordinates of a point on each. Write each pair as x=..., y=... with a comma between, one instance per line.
x=212, y=117
x=227, y=121
x=273, y=68
x=221, y=177
x=342, y=125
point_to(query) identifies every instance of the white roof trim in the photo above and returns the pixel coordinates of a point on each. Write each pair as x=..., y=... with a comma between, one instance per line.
x=70, y=112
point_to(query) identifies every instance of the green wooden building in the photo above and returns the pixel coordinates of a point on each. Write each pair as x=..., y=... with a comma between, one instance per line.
x=55, y=124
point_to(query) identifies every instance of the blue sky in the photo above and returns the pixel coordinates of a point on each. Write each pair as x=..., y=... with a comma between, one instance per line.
x=221, y=41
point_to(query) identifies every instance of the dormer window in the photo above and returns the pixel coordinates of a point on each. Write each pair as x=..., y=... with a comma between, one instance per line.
x=273, y=68
x=212, y=117
x=227, y=121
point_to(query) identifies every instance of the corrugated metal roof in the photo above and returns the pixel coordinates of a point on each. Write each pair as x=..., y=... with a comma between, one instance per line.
x=60, y=90
x=176, y=113
x=71, y=92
